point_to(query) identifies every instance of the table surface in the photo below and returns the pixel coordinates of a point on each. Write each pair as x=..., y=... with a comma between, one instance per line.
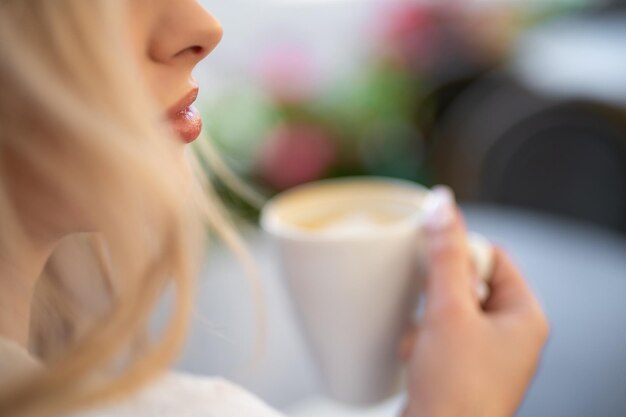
x=577, y=271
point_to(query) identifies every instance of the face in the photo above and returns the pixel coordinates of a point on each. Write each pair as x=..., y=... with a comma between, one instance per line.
x=170, y=37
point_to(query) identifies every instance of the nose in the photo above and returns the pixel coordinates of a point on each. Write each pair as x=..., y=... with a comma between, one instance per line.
x=187, y=34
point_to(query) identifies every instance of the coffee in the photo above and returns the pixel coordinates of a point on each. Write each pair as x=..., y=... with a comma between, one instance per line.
x=349, y=209
x=354, y=219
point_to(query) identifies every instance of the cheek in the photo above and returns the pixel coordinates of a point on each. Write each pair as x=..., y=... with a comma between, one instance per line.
x=162, y=82
x=45, y=210
x=143, y=19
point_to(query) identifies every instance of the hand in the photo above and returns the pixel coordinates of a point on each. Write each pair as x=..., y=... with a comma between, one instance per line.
x=466, y=360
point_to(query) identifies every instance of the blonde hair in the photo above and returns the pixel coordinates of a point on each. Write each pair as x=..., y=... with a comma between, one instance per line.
x=77, y=114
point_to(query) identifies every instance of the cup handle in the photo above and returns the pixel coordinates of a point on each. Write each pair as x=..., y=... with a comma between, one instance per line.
x=483, y=257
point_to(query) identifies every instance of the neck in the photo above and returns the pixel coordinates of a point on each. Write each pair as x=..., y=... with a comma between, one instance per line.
x=18, y=277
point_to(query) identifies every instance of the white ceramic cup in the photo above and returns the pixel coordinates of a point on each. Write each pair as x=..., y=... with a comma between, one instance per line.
x=355, y=289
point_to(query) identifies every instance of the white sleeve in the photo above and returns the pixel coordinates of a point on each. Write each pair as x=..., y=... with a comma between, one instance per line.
x=182, y=395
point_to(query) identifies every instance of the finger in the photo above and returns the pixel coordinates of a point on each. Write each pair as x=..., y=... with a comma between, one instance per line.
x=509, y=290
x=449, y=276
x=407, y=344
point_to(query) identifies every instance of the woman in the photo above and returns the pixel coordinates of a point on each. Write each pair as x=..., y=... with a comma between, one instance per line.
x=99, y=214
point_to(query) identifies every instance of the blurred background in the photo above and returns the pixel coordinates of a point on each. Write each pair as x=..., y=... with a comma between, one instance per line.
x=518, y=103
x=520, y=106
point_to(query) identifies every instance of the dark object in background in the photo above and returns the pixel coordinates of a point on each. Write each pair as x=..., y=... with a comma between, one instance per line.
x=503, y=144
x=569, y=160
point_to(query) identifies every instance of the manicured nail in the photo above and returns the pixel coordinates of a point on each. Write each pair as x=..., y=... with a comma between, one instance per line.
x=439, y=209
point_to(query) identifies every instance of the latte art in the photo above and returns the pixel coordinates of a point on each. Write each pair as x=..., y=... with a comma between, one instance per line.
x=345, y=209
x=352, y=220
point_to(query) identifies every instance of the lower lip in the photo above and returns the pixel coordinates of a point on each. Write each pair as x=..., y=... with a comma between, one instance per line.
x=187, y=124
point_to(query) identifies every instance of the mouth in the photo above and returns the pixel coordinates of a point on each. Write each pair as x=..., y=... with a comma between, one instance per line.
x=185, y=118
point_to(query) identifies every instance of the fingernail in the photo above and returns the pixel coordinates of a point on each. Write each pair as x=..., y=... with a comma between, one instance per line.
x=439, y=209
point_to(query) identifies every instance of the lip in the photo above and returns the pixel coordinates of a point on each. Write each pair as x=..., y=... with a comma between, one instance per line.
x=185, y=118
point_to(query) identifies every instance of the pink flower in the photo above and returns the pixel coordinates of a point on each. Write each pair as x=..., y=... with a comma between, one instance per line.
x=404, y=20
x=295, y=154
x=409, y=33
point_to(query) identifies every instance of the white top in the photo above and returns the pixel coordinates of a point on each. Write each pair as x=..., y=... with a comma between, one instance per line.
x=174, y=395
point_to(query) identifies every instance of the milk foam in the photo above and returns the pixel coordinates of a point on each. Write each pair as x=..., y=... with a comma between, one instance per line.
x=352, y=220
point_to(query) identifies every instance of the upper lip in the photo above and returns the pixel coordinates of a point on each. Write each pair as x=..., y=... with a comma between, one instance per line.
x=183, y=103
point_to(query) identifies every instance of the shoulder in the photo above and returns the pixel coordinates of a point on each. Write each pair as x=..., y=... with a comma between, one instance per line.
x=184, y=395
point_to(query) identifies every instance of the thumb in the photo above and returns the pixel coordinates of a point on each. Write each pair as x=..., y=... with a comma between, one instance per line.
x=449, y=284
